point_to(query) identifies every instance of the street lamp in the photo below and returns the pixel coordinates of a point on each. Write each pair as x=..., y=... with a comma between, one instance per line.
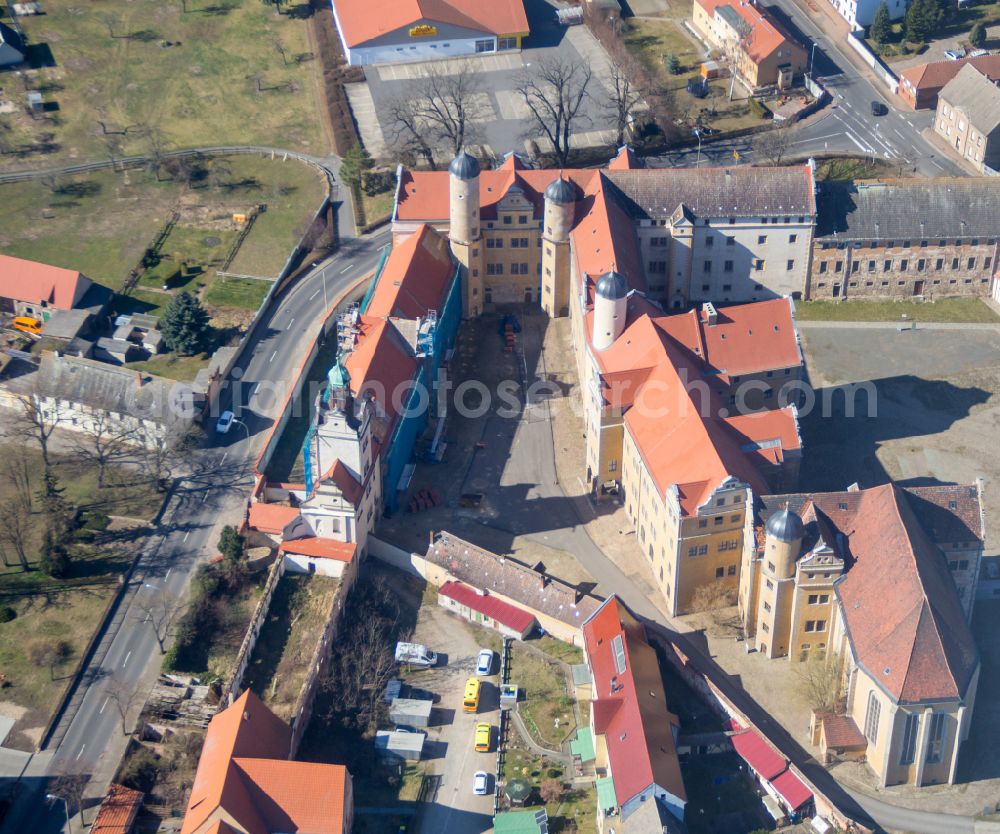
x=52, y=797
x=697, y=132
x=812, y=58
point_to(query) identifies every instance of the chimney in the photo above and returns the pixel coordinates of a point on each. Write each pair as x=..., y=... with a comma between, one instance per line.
x=138, y=380
x=710, y=314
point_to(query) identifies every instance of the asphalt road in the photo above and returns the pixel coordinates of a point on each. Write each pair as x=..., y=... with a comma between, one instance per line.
x=89, y=737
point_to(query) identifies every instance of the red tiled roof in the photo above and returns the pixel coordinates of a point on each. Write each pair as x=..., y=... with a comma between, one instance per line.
x=938, y=73
x=791, y=789
x=118, y=811
x=766, y=34
x=762, y=428
x=361, y=21
x=758, y=754
x=841, y=733
x=380, y=363
x=415, y=277
x=33, y=282
x=271, y=518
x=503, y=612
x=348, y=485
x=625, y=160
x=244, y=773
x=321, y=548
x=638, y=734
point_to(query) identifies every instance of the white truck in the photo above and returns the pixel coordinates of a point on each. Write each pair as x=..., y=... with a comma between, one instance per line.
x=415, y=654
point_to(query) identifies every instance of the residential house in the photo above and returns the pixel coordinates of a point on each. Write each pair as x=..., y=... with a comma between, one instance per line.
x=919, y=86
x=968, y=118
x=902, y=238
x=635, y=735
x=30, y=288
x=761, y=52
x=118, y=811
x=884, y=581
x=246, y=784
x=394, y=31
x=861, y=13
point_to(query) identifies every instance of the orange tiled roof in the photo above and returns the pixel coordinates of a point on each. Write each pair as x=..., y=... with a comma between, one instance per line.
x=766, y=34
x=118, y=811
x=361, y=21
x=33, y=282
x=415, y=276
x=345, y=482
x=271, y=518
x=244, y=773
x=320, y=548
x=841, y=733
x=938, y=73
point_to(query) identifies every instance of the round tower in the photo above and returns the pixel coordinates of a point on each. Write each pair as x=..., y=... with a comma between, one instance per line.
x=464, y=199
x=560, y=208
x=610, y=303
x=783, y=542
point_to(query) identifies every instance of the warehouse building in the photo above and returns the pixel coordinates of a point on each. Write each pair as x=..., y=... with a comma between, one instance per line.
x=394, y=31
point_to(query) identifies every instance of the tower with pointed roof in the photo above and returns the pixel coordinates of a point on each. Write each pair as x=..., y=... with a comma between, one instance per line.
x=464, y=230
x=560, y=210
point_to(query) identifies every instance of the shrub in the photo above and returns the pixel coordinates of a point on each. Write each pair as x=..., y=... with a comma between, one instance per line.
x=758, y=109
x=554, y=772
x=94, y=520
x=7, y=614
x=139, y=772
x=55, y=560
x=377, y=182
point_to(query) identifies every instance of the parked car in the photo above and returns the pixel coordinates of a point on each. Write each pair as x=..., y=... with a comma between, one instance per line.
x=225, y=423
x=484, y=737
x=415, y=654
x=879, y=109
x=481, y=783
x=485, y=662
x=954, y=54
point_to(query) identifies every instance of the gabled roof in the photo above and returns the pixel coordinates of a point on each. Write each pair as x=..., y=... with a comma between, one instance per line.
x=319, y=547
x=765, y=33
x=361, y=21
x=496, y=609
x=758, y=753
x=639, y=732
x=938, y=73
x=975, y=95
x=118, y=811
x=271, y=518
x=244, y=775
x=415, y=277
x=899, y=601
x=33, y=282
x=344, y=480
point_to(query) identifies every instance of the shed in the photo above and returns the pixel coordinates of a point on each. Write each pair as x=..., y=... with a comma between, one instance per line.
x=66, y=325
x=411, y=712
x=117, y=351
x=535, y=821
x=392, y=690
x=482, y=608
x=394, y=744
x=508, y=695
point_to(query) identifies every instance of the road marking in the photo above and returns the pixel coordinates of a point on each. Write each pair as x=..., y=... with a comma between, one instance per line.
x=204, y=496
x=345, y=269
x=103, y=705
x=269, y=361
x=125, y=661
x=935, y=164
x=311, y=297
x=224, y=457
x=854, y=139
x=900, y=135
x=84, y=747
x=292, y=321
x=167, y=575
x=188, y=533
x=146, y=618
x=816, y=138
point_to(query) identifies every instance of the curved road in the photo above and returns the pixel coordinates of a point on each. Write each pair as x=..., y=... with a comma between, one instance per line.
x=89, y=738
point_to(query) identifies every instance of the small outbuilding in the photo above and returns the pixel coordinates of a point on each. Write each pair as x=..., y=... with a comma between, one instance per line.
x=410, y=712
x=482, y=608
x=394, y=744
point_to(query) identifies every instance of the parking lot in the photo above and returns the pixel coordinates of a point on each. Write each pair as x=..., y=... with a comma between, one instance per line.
x=502, y=116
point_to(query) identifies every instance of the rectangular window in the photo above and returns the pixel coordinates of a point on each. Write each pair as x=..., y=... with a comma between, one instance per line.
x=707, y=266
x=838, y=266
x=909, y=745
x=872, y=717
x=759, y=265
x=761, y=239
x=730, y=241
x=939, y=264
x=767, y=606
x=727, y=266
x=822, y=267
x=507, y=220
x=792, y=238
x=871, y=266
x=903, y=264
x=710, y=240
x=935, y=744
x=720, y=572
x=971, y=263
x=702, y=549
x=770, y=584
x=790, y=265
x=485, y=45
x=731, y=570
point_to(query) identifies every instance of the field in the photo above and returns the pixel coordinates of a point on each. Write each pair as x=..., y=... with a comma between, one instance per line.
x=101, y=223
x=958, y=310
x=61, y=612
x=123, y=78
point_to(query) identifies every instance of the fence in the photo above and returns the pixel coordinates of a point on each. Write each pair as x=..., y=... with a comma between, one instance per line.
x=882, y=72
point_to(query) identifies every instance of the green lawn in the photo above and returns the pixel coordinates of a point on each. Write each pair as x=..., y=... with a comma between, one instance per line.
x=223, y=72
x=65, y=609
x=545, y=698
x=245, y=293
x=958, y=310
x=578, y=805
x=101, y=223
x=189, y=256
x=379, y=207
x=173, y=366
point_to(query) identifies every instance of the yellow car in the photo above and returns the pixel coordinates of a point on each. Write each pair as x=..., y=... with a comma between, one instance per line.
x=484, y=738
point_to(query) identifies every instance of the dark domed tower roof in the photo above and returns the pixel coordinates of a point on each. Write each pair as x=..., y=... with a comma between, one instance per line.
x=612, y=285
x=785, y=526
x=561, y=191
x=464, y=167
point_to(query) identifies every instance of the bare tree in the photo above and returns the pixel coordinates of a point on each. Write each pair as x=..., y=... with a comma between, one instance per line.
x=820, y=680
x=279, y=47
x=450, y=105
x=160, y=609
x=124, y=697
x=49, y=653
x=773, y=145
x=156, y=149
x=624, y=99
x=734, y=49
x=554, y=93
x=15, y=469
x=71, y=788
x=407, y=134
x=711, y=596
x=37, y=415
x=162, y=453
x=15, y=528
x=105, y=440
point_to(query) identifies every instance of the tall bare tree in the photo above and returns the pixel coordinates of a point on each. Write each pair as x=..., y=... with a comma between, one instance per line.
x=772, y=146
x=124, y=697
x=162, y=452
x=450, y=104
x=820, y=680
x=735, y=49
x=16, y=471
x=15, y=529
x=160, y=609
x=554, y=91
x=624, y=99
x=37, y=414
x=105, y=440
x=407, y=133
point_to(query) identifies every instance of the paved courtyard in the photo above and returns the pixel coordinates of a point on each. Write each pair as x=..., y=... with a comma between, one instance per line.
x=503, y=116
